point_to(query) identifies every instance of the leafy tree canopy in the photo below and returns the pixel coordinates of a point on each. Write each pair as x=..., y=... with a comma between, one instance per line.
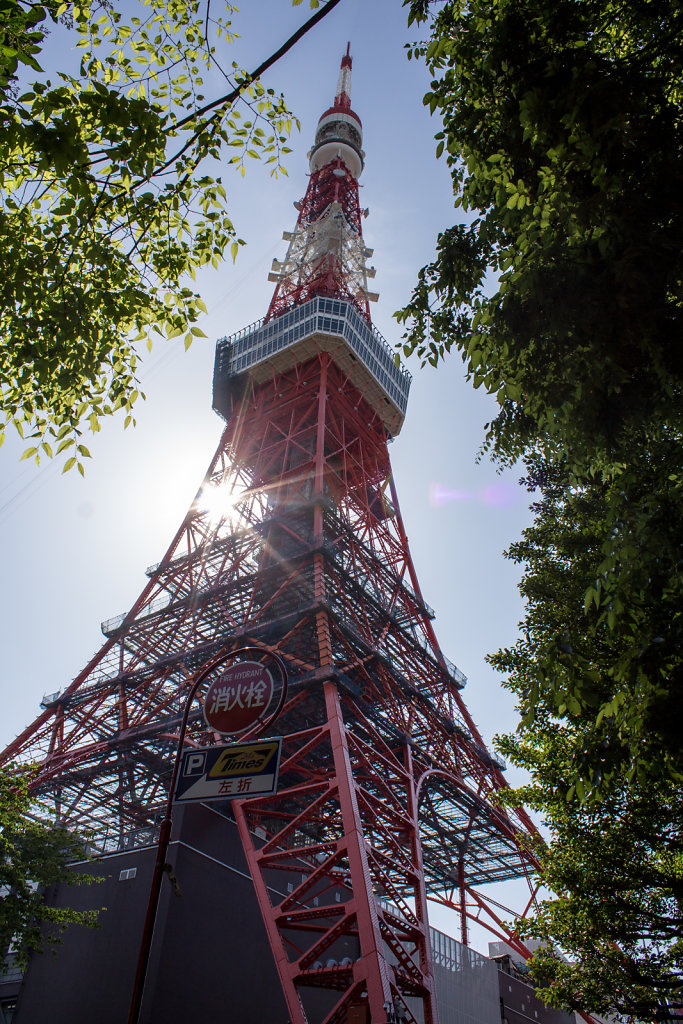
x=601, y=636
x=615, y=867
x=600, y=696
x=563, y=296
x=109, y=199
x=33, y=855
x=563, y=129
x=562, y=124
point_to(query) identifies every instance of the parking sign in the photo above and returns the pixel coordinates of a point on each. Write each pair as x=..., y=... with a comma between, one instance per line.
x=238, y=770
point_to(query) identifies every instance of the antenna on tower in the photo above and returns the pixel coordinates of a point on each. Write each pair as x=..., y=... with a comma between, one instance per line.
x=326, y=254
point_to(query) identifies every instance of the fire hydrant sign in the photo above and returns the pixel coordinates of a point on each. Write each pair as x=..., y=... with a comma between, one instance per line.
x=223, y=773
x=238, y=698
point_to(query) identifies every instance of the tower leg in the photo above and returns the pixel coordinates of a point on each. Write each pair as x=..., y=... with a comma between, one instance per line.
x=372, y=967
x=337, y=866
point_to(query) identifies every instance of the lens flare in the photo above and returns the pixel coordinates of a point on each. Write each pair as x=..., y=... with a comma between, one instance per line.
x=501, y=494
x=498, y=495
x=441, y=495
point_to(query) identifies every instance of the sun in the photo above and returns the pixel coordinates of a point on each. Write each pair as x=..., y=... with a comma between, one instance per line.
x=218, y=501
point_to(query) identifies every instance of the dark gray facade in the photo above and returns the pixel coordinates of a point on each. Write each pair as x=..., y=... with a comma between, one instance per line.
x=210, y=958
x=519, y=1001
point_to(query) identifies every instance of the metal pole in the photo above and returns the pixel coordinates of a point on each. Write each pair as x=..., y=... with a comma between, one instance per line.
x=167, y=823
x=463, y=901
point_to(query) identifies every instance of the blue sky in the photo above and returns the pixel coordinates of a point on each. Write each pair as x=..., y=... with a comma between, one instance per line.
x=75, y=550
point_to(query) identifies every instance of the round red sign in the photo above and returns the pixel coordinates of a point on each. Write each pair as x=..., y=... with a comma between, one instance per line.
x=238, y=698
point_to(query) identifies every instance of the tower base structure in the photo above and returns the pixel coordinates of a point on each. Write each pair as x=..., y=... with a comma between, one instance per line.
x=387, y=794
x=210, y=960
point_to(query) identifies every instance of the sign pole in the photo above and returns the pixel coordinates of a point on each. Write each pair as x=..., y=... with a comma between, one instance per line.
x=167, y=822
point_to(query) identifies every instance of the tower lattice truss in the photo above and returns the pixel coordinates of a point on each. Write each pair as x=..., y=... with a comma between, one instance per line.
x=295, y=542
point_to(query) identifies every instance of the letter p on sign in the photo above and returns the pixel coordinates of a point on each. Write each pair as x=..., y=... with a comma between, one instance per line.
x=195, y=764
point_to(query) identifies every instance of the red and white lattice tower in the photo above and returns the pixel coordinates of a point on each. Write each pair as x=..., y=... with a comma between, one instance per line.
x=295, y=542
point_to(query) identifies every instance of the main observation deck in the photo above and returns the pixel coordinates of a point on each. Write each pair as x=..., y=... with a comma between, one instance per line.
x=319, y=325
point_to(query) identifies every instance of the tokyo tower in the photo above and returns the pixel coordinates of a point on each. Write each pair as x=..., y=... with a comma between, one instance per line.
x=295, y=543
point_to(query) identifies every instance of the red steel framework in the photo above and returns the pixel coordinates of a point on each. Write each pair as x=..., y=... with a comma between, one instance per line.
x=295, y=542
